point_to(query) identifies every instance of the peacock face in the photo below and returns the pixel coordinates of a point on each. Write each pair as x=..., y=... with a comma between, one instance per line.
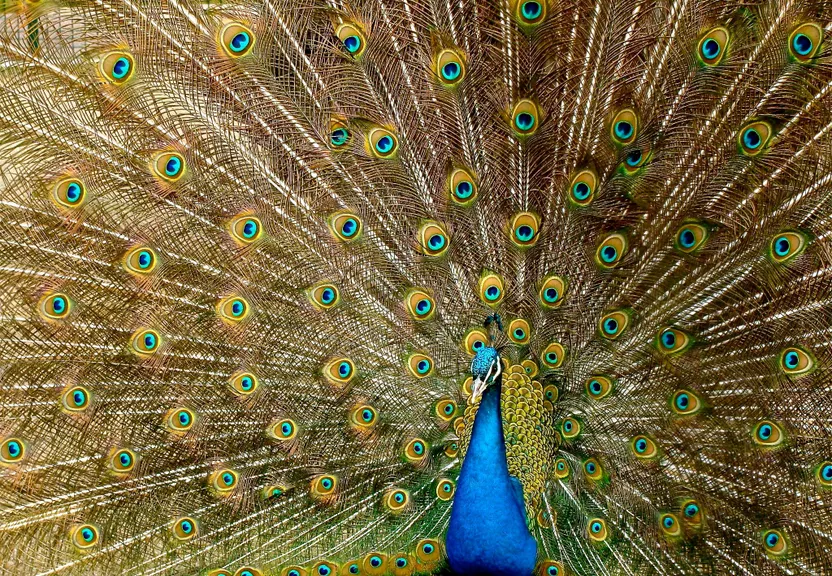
x=486, y=368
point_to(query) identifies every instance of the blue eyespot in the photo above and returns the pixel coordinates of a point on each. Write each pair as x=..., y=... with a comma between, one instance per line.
x=668, y=522
x=58, y=304
x=125, y=459
x=802, y=44
x=464, y=190
x=324, y=570
x=246, y=383
x=375, y=561
x=782, y=246
x=492, y=293
x=610, y=325
x=567, y=426
x=227, y=479
x=293, y=573
x=418, y=448
x=184, y=418
x=423, y=306
x=682, y=401
x=121, y=68
x=581, y=190
x=623, y=129
x=145, y=259
x=710, y=49
x=250, y=229
x=384, y=144
x=791, y=359
x=633, y=157
x=551, y=358
x=751, y=138
x=79, y=397
x=449, y=409
x=595, y=527
x=237, y=308
x=401, y=562
x=326, y=483
x=423, y=366
x=437, y=241
x=339, y=136
x=173, y=166
x=687, y=238
x=328, y=295
x=668, y=339
x=764, y=432
x=531, y=10
x=367, y=415
x=149, y=341
x=353, y=569
x=524, y=233
x=477, y=345
x=186, y=527
x=240, y=42
x=826, y=473
x=349, y=227
x=519, y=333
x=286, y=429
x=87, y=534
x=13, y=448
x=73, y=193
x=550, y=295
x=641, y=446
x=344, y=369
x=398, y=497
x=590, y=467
x=609, y=254
x=352, y=44
x=524, y=121
x=691, y=510
x=772, y=539
x=552, y=571
x=451, y=71
x=427, y=548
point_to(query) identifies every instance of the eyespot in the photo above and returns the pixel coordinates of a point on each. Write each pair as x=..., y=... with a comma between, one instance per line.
x=611, y=250
x=428, y=551
x=570, y=428
x=433, y=239
x=519, y=331
x=712, y=46
x=451, y=449
x=168, y=166
x=463, y=187
x=117, y=67
x=530, y=367
x=293, y=571
x=363, y=417
x=582, y=187
x=753, y=138
x=233, y=309
x=598, y=387
x=491, y=288
x=140, y=261
x=273, y=491
x=805, y=41
x=673, y=341
x=634, y=161
x=180, y=419
x=450, y=67
x=396, y=500
x=445, y=489
x=692, y=512
x=530, y=12
x=786, y=246
x=382, y=143
x=75, y=399
x=219, y=572
x=419, y=304
x=324, y=568
x=597, y=530
x=236, y=40
x=543, y=519
x=690, y=237
x=624, y=127
x=768, y=434
x=420, y=365
x=774, y=542
x=284, y=430
x=550, y=393
x=185, y=528
x=339, y=135
x=644, y=448
x=525, y=118
x=796, y=361
x=352, y=38
x=145, y=342
x=12, y=450
x=445, y=409
x=669, y=524
x=375, y=564
x=248, y=571
x=122, y=461
x=824, y=474
x=339, y=371
x=245, y=229
x=553, y=355
x=551, y=568
x=323, y=296
x=475, y=340
x=593, y=470
x=69, y=193
x=223, y=481
x=561, y=468
x=85, y=536
x=346, y=226
x=416, y=450
x=612, y=325
x=685, y=403
x=524, y=229
x=55, y=306
x=552, y=291
x=243, y=383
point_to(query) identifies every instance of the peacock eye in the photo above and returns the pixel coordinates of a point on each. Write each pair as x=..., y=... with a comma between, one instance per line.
x=245, y=229
x=824, y=474
x=598, y=387
x=519, y=331
x=339, y=135
x=552, y=291
x=346, y=226
x=463, y=187
x=711, y=48
x=323, y=296
x=673, y=341
x=236, y=39
x=611, y=250
x=168, y=166
x=553, y=355
x=69, y=194
x=184, y=528
x=451, y=67
x=530, y=13
x=363, y=418
x=753, y=138
x=570, y=428
x=525, y=117
x=445, y=489
x=491, y=288
x=339, y=371
x=613, y=324
x=55, y=306
x=283, y=430
x=685, y=403
x=75, y=399
x=597, y=529
x=805, y=41
x=415, y=451
x=145, y=342
x=796, y=362
x=12, y=450
x=382, y=143
x=117, y=67
x=223, y=481
x=396, y=500
x=644, y=448
x=524, y=229
x=624, y=127
x=786, y=246
x=433, y=239
x=774, y=542
x=768, y=434
x=670, y=525
x=419, y=304
x=85, y=536
x=352, y=37
x=123, y=461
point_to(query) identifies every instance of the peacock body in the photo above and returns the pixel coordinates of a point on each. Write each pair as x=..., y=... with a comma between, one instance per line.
x=319, y=287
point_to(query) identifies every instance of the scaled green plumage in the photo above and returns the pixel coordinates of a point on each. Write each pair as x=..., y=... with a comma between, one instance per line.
x=247, y=248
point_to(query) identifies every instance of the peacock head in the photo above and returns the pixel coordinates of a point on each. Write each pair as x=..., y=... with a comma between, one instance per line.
x=486, y=369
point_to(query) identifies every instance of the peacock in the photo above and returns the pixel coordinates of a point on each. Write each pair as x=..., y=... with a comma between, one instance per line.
x=401, y=287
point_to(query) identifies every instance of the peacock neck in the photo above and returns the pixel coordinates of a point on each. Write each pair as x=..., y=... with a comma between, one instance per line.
x=488, y=533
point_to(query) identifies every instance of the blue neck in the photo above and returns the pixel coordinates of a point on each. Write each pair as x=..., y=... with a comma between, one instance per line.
x=488, y=533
